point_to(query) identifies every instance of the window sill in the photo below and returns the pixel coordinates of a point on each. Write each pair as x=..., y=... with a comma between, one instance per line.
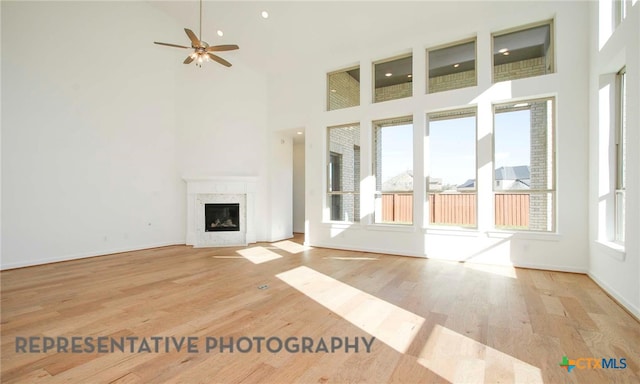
x=452, y=231
x=614, y=250
x=342, y=225
x=391, y=227
x=524, y=235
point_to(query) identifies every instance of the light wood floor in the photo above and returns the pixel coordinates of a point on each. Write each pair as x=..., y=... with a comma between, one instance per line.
x=434, y=322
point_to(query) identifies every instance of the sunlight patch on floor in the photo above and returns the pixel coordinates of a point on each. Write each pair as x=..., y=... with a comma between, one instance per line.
x=460, y=359
x=290, y=246
x=258, y=255
x=499, y=270
x=389, y=323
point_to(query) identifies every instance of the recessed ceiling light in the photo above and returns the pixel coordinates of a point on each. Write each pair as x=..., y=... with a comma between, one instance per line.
x=503, y=50
x=409, y=75
x=265, y=14
x=299, y=133
x=456, y=65
x=388, y=74
x=220, y=33
x=506, y=53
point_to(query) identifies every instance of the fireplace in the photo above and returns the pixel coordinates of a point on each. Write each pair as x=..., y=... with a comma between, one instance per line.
x=233, y=199
x=221, y=217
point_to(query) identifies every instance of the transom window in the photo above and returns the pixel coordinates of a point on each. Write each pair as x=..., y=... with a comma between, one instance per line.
x=343, y=89
x=393, y=79
x=452, y=67
x=523, y=53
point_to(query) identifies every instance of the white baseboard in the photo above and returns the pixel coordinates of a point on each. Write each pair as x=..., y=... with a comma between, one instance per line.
x=617, y=296
x=558, y=268
x=29, y=263
x=368, y=250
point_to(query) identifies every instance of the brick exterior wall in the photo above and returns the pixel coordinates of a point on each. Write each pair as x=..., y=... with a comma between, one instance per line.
x=393, y=92
x=347, y=91
x=452, y=81
x=519, y=69
x=345, y=142
x=539, y=203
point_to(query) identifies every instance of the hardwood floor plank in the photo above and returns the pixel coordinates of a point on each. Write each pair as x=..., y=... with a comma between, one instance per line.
x=437, y=322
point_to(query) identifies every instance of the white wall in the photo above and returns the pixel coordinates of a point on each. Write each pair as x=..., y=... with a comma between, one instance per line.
x=615, y=268
x=88, y=125
x=298, y=187
x=280, y=186
x=221, y=126
x=100, y=125
x=301, y=102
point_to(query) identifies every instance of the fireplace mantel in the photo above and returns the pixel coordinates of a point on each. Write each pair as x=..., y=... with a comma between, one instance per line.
x=203, y=190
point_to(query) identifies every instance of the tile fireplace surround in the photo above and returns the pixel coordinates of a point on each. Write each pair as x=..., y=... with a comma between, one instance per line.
x=211, y=190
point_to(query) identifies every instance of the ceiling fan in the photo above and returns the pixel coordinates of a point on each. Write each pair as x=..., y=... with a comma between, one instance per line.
x=202, y=51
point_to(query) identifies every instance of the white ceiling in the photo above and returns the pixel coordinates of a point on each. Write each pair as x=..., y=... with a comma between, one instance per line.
x=300, y=32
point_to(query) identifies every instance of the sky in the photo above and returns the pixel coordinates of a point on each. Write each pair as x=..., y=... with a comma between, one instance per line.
x=452, y=154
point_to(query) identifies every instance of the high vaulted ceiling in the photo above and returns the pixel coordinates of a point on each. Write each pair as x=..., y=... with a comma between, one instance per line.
x=300, y=32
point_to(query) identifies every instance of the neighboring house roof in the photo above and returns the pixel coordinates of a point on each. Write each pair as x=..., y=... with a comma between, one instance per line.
x=468, y=184
x=399, y=183
x=519, y=173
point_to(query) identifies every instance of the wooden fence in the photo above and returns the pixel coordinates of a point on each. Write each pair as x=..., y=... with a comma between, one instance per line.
x=511, y=210
x=457, y=209
x=397, y=208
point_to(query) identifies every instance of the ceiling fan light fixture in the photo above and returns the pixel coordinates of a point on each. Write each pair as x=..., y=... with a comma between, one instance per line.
x=201, y=49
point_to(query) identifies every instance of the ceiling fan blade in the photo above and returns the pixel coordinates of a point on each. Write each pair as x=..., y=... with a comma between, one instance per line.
x=188, y=60
x=194, y=39
x=171, y=45
x=218, y=48
x=219, y=59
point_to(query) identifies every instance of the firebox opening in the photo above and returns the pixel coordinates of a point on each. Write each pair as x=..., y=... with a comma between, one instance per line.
x=222, y=217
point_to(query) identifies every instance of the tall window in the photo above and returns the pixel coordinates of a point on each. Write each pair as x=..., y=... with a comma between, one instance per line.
x=523, y=53
x=619, y=11
x=393, y=79
x=523, y=154
x=621, y=148
x=343, y=173
x=343, y=89
x=452, y=163
x=393, y=170
x=452, y=67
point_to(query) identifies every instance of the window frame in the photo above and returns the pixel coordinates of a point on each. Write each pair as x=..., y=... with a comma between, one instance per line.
x=473, y=40
x=380, y=124
x=521, y=28
x=329, y=192
x=388, y=60
x=620, y=158
x=328, y=90
x=552, y=191
x=460, y=113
